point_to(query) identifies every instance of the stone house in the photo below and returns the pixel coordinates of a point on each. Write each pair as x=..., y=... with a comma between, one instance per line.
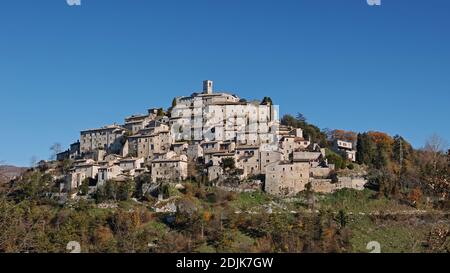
x=130, y=165
x=106, y=173
x=174, y=169
x=109, y=138
x=286, y=178
x=194, y=152
x=82, y=169
x=248, y=159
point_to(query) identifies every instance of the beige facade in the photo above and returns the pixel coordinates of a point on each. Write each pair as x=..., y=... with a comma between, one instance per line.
x=209, y=116
x=107, y=173
x=109, y=139
x=248, y=159
x=136, y=123
x=148, y=146
x=286, y=178
x=194, y=152
x=269, y=157
x=214, y=172
x=180, y=148
x=346, y=148
x=169, y=169
x=82, y=169
x=131, y=163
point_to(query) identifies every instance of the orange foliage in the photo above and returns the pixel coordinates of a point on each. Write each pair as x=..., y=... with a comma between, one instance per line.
x=380, y=138
x=328, y=234
x=345, y=135
x=103, y=235
x=207, y=216
x=415, y=196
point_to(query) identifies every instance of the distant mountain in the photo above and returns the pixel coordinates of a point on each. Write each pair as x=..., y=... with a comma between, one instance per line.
x=9, y=172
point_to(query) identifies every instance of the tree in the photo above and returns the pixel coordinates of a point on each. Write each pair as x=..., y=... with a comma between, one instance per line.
x=342, y=219
x=55, y=150
x=174, y=102
x=310, y=199
x=335, y=159
x=84, y=188
x=267, y=101
x=309, y=130
x=383, y=181
x=289, y=120
x=374, y=149
x=435, y=167
x=161, y=112
x=33, y=161
x=124, y=190
x=301, y=118
x=109, y=190
x=435, y=144
x=344, y=135
x=381, y=159
x=415, y=196
x=228, y=163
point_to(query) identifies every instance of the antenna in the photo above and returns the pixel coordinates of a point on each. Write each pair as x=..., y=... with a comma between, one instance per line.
x=401, y=156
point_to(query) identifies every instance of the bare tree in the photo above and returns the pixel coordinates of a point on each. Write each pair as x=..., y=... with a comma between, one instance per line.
x=33, y=161
x=55, y=149
x=435, y=147
x=436, y=144
x=435, y=157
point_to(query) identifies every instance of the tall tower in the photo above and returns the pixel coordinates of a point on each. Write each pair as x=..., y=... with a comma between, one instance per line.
x=207, y=87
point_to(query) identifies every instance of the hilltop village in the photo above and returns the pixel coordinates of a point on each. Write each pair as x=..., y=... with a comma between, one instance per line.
x=226, y=140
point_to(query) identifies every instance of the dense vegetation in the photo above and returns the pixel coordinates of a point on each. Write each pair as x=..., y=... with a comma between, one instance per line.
x=212, y=220
x=396, y=170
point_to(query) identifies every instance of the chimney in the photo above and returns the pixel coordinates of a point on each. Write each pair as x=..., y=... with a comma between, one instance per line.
x=207, y=87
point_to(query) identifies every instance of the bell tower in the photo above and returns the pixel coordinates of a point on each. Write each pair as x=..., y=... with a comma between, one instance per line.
x=207, y=87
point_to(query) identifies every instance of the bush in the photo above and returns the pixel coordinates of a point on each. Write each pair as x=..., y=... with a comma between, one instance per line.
x=334, y=177
x=335, y=159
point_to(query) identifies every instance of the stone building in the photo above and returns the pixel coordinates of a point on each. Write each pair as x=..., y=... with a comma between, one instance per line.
x=204, y=129
x=82, y=169
x=130, y=165
x=174, y=169
x=286, y=178
x=135, y=123
x=106, y=173
x=209, y=116
x=109, y=138
x=72, y=153
x=148, y=143
x=248, y=159
x=345, y=148
x=194, y=152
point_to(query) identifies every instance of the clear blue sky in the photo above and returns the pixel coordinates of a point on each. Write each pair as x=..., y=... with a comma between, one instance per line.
x=342, y=63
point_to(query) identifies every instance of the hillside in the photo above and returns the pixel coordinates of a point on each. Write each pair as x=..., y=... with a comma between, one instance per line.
x=8, y=172
x=199, y=218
